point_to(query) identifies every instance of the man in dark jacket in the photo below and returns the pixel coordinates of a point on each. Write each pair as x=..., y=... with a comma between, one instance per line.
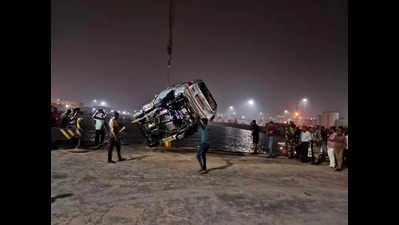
x=324, y=136
x=255, y=136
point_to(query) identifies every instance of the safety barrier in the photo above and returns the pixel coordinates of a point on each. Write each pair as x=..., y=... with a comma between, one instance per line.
x=64, y=134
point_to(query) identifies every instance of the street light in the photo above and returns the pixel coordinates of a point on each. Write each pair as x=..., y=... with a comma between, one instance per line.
x=304, y=100
x=251, y=102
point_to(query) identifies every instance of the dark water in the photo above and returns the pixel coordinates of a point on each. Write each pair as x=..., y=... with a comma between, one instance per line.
x=221, y=137
x=226, y=138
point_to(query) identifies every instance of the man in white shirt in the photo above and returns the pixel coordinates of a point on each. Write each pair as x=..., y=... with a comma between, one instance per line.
x=306, y=137
x=330, y=147
x=99, y=116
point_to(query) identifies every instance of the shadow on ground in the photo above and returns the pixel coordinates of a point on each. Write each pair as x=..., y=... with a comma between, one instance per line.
x=60, y=196
x=228, y=164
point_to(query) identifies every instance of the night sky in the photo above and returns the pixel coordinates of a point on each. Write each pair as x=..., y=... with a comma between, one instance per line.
x=275, y=52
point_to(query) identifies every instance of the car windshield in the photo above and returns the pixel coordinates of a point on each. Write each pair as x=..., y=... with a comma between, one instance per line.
x=162, y=95
x=208, y=95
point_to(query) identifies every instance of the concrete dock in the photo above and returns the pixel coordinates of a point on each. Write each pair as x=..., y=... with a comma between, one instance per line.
x=163, y=187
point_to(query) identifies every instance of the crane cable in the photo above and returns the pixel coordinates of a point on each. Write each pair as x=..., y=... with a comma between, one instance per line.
x=172, y=6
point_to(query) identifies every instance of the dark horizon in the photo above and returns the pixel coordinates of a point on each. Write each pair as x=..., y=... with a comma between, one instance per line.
x=273, y=52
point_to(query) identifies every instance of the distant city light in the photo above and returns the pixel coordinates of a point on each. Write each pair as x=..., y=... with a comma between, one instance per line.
x=67, y=106
x=296, y=114
x=286, y=111
x=93, y=109
x=305, y=100
x=251, y=102
x=231, y=107
x=103, y=103
x=94, y=100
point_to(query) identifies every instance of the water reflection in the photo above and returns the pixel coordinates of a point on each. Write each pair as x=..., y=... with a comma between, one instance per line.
x=225, y=139
x=221, y=138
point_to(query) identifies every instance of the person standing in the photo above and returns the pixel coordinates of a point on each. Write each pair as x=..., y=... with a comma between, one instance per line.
x=55, y=116
x=290, y=139
x=339, y=146
x=317, y=141
x=324, y=136
x=99, y=116
x=305, y=141
x=298, y=146
x=330, y=147
x=255, y=136
x=115, y=128
x=65, y=118
x=74, y=116
x=79, y=128
x=271, y=132
x=346, y=151
x=204, y=146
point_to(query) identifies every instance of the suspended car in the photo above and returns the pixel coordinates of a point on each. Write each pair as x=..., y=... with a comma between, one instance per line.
x=175, y=112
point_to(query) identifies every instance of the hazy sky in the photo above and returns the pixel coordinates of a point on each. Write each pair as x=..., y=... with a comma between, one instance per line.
x=275, y=52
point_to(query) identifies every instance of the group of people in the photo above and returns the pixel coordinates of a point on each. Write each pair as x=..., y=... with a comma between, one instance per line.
x=313, y=143
x=75, y=118
x=307, y=143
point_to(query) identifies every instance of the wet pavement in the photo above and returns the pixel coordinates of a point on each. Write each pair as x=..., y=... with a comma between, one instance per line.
x=163, y=187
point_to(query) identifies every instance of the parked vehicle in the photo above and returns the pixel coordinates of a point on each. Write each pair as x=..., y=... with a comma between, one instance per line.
x=175, y=112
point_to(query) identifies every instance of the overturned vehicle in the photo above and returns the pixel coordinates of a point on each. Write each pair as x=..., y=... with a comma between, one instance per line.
x=175, y=112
